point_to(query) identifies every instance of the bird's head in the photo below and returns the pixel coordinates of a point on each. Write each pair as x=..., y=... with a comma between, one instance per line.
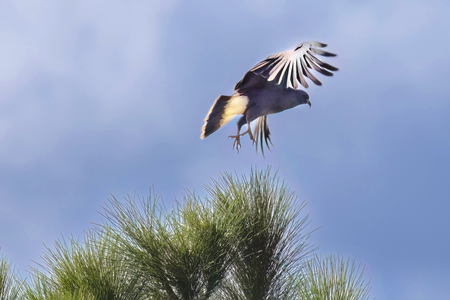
x=302, y=97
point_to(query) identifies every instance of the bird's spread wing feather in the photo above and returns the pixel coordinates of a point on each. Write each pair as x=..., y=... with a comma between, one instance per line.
x=290, y=67
x=261, y=131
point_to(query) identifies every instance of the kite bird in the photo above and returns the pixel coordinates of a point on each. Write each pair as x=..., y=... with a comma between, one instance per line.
x=269, y=87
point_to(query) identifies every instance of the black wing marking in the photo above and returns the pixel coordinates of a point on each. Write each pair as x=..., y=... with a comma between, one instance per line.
x=290, y=67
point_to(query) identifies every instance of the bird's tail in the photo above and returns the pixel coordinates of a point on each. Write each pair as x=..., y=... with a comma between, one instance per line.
x=222, y=111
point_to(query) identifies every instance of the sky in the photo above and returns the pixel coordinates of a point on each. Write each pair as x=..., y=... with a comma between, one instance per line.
x=107, y=98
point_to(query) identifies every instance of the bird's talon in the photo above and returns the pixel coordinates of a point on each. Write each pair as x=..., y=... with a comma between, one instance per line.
x=237, y=142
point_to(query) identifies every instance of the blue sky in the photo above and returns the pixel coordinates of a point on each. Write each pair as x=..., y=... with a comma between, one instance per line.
x=108, y=97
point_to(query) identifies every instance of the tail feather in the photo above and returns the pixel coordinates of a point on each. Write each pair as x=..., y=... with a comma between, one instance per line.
x=214, y=117
x=223, y=110
x=261, y=131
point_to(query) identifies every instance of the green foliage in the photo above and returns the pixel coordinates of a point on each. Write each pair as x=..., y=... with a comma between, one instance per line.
x=181, y=255
x=10, y=286
x=269, y=239
x=333, y=278
x=41, y=289
x=247, y=240
x=92, y=270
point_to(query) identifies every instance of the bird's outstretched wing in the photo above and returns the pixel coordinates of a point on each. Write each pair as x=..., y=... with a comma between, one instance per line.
x=289, y=67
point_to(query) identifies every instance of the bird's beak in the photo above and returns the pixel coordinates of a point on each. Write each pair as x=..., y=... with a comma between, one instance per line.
x=309, y=103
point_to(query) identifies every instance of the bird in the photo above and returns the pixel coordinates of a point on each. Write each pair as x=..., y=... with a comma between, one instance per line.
x=271, y=86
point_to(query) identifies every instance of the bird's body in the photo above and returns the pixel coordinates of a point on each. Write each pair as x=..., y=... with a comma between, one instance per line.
x=270, y=100
x=269, y=87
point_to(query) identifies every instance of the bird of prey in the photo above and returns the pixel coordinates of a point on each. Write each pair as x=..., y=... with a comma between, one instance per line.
x=269, y=87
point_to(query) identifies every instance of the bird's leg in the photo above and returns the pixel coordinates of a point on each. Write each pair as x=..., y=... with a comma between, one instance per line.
x=237, y=137
x=249, y=130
